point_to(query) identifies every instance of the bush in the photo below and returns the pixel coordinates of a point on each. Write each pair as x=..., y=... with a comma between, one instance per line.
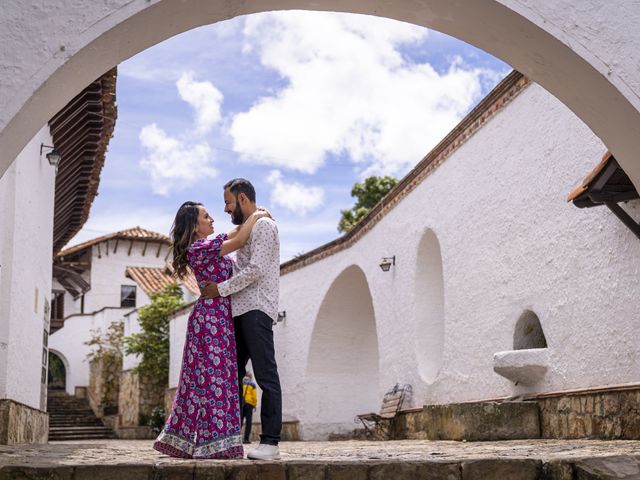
x=156, y=420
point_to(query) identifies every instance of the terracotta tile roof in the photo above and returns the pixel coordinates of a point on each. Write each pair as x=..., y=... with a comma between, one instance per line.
x=607, y=182
x=80, y=133
x=136, y=233
x=590, y=177
x=155, y=279
x=501, y=95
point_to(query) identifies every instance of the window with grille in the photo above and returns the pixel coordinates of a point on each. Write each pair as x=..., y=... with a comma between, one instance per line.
x=127, y=296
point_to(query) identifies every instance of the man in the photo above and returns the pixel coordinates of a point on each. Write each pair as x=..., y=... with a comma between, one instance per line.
x=250, y=402
x=255, y=288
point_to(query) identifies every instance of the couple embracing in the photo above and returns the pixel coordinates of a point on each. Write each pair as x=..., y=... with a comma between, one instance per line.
x=230, y=323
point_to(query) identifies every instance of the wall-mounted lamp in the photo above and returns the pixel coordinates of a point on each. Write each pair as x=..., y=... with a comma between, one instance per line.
x=282, y=316
x=386, y=263
x=53, y=157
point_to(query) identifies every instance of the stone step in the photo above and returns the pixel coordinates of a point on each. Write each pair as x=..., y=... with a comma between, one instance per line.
x=350, y=461
x=87, y=436
x=71, y=418
x=75, y=424
x=88, y=428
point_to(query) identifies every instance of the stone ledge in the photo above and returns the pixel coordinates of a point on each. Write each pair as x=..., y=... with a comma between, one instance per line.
x=22, y=424
x=479, y=421
x=481, y=469
x=290, y=431
x=398, y=460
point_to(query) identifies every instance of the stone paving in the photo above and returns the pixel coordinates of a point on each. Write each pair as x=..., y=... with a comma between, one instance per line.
x=348, y=460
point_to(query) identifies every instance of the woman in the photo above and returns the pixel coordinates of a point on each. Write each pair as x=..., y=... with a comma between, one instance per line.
x=205, y=419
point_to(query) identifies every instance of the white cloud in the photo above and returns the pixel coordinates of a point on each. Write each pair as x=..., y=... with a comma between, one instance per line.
x=205, y=99
x=178, y=162
x=173, y=163
x=294, y=196
x=349, y=91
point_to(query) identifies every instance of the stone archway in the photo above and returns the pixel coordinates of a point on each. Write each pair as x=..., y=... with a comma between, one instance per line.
x=343, y=363
x=429, y=307
x=587, y=57
x=57, y=371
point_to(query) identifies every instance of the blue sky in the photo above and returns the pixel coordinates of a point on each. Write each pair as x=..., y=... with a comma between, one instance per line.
x=304, y=104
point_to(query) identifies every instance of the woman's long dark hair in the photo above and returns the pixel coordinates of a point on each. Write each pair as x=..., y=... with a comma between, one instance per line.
x=182, y=231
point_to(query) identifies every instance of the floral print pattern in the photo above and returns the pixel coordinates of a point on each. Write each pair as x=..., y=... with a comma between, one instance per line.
x=205, y=419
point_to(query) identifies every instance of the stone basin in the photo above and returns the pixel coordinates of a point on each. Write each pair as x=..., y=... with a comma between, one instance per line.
x=522, y=367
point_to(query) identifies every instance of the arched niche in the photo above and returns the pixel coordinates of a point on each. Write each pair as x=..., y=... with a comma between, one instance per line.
x=528, y=332
x=429, y=307
x=343, y=362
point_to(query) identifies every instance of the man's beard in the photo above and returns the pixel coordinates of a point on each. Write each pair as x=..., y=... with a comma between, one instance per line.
x=237, y=217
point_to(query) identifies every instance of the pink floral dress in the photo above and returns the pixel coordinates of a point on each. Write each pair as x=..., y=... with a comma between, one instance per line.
x=205, y=419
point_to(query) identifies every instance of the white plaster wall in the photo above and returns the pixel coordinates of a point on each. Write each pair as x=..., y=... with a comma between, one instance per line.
x=509, y=242
x=342, y=371
x=108, y=272
x=69, y=342
x=26, y=244
x=429, y=307
x=131, y=326
x=177, y=337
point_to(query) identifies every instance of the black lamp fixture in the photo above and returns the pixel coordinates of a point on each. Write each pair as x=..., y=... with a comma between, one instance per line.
x=386, y=263
x=53, y=157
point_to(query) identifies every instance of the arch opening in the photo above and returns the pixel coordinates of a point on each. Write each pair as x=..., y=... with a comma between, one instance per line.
x=528, y=332
x=343, y=364
x=429, y=307
x=567, y=64
x=56, y=372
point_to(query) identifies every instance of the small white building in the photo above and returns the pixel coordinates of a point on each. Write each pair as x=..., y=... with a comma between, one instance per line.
x=484, y=256
x=119, y=271
x=45, y=197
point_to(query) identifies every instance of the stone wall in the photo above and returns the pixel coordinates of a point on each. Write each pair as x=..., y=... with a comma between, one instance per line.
x=290, y=431
x=169, y=394
x=104, y=385
x=138, y=397
x=22, y=424
x=477, y=421
x=606, y=414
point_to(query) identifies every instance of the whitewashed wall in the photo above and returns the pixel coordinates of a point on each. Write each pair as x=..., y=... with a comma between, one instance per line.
x=131, y=326
x=486, y=236
x=509, y=242
x=108, y=272
x=68, y=343
x=177, y=337
x=26, y=244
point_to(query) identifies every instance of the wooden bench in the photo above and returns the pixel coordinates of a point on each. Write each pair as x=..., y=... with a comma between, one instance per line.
x=377, y=424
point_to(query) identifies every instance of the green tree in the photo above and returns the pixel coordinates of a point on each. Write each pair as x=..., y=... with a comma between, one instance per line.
x=110, y=344
x=109, y=351
x=368, y=193
x=152, y=343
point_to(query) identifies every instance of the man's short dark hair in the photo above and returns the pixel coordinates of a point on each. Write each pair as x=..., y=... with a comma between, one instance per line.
x=241, y=185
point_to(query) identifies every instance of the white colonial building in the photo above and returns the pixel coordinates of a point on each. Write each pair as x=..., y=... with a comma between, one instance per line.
x=484, y=255
x=118, y=273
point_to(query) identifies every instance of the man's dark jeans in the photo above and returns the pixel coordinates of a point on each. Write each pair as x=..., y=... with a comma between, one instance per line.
x=254, y=340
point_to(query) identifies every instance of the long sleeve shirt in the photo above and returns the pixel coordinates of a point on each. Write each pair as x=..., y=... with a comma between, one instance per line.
x=255, y=284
